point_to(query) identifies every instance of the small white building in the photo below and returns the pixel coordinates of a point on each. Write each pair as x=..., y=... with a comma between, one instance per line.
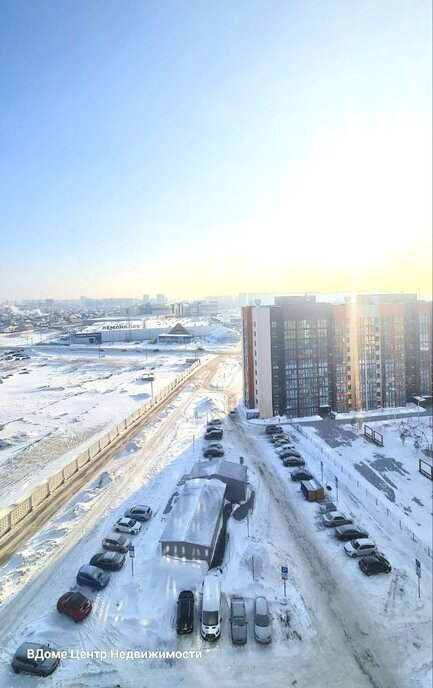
x=195, y=521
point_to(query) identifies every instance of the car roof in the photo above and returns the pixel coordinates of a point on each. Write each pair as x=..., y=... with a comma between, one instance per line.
x=333, y=514
x=261, y=605
x=365, y=541
x=186, y=594
x=24, y=647
x=139, y=507
x=117, y=537
x=89, y=570
x=76, y=599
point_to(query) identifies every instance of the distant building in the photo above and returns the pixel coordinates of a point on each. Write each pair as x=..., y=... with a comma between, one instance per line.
x=300, y=355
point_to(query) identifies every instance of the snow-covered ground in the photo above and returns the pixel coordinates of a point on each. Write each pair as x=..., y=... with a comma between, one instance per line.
x=57, y=402
x=336, y=628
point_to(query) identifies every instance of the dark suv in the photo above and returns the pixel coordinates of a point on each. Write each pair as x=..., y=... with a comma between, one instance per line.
x=185, y=612
x=374, y=563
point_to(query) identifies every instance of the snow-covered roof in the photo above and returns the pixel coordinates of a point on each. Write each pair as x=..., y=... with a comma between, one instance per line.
x=196, y=514
x=226, y=469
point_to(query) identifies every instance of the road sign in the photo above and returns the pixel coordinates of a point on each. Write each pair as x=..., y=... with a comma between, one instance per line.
x=131, y=551
x=284, y=572
x=418, y=567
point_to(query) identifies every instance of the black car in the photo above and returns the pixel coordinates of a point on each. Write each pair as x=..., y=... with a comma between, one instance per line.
x=273, y=429
x=42, y=666
x=300, y=474
x=350, y=532
x=140, y=512
x=109, y=561
x=293, y=461
x=214, y=435
x=374, y=563
x=185, y=612
x=212, y=453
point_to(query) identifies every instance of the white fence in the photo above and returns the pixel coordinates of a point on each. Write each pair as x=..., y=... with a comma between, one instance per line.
x=321, y=453
x=14, y=517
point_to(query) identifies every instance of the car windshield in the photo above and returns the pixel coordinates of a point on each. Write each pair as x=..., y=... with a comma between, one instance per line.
x=355, y=544
x=210, y=618
x=262, y=620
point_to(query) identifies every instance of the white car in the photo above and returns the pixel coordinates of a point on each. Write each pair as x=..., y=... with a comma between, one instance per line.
x=281, y=448
x=335, y=518
x=127, y=525
x=360, y=548
x=262, y=621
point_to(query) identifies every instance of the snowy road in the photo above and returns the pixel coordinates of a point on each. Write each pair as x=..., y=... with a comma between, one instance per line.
x=340, y=635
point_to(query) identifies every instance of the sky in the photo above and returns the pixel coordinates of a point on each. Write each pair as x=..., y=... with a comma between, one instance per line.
x=196, y=147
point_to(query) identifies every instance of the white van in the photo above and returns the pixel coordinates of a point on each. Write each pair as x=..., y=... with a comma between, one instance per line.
x=211, y=608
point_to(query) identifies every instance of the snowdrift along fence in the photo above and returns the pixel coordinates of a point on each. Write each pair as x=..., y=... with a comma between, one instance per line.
x=388, y=511
x=16, y=516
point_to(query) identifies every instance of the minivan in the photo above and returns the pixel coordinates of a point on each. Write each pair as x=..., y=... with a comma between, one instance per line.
x=211, y=608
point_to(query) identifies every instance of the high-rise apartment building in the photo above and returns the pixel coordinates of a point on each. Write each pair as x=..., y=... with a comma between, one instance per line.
x=300, y=355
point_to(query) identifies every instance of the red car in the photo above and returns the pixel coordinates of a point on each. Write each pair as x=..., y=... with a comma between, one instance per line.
x=75, y=605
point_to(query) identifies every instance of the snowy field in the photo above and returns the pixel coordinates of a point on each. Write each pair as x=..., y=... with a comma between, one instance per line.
x=336, y=628
x=57, y=401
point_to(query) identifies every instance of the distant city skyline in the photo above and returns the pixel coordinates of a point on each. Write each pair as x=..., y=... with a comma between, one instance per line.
x=223, y=147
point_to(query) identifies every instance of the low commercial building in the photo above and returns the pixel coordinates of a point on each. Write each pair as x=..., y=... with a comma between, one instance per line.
x=192, y=529
x=233, y=475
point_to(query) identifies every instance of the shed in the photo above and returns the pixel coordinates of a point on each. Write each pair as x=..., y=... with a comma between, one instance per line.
x=193, y=526
x=233, y=475
x=312, y=490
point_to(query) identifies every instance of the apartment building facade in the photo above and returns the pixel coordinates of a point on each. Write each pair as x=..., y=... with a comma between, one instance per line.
x=300, y=356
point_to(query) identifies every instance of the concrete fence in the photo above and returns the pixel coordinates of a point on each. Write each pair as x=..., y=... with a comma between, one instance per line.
x=16, y=516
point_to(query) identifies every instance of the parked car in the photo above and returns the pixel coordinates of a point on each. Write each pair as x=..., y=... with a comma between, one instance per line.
x=116, y=543
x=75, y=605
x=210, y=627
x=214, y=445
x=212, y=452
x=108, y=561
x=272, y=429
x=350, y=532
x=238, y=620
x=185, y=612
x=335, y=518
x=92, y=577
x=139, y=512
x=127, y=525
x=214, y=421
x=41, y=666
x=289, y=452
x=293, y=461
x=214, y=435
x=374, y=563
x=360, y=548
x=262, y=620
x=279, y=436
x=283, y=444
x=301, y=474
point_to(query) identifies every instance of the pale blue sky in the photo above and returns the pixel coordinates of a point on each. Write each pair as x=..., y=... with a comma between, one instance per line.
x=160, y=146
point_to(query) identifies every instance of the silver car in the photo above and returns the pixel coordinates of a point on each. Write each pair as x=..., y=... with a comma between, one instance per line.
x=262, y=620
x=360, y=548
x=332, y=519
x=238, y=621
